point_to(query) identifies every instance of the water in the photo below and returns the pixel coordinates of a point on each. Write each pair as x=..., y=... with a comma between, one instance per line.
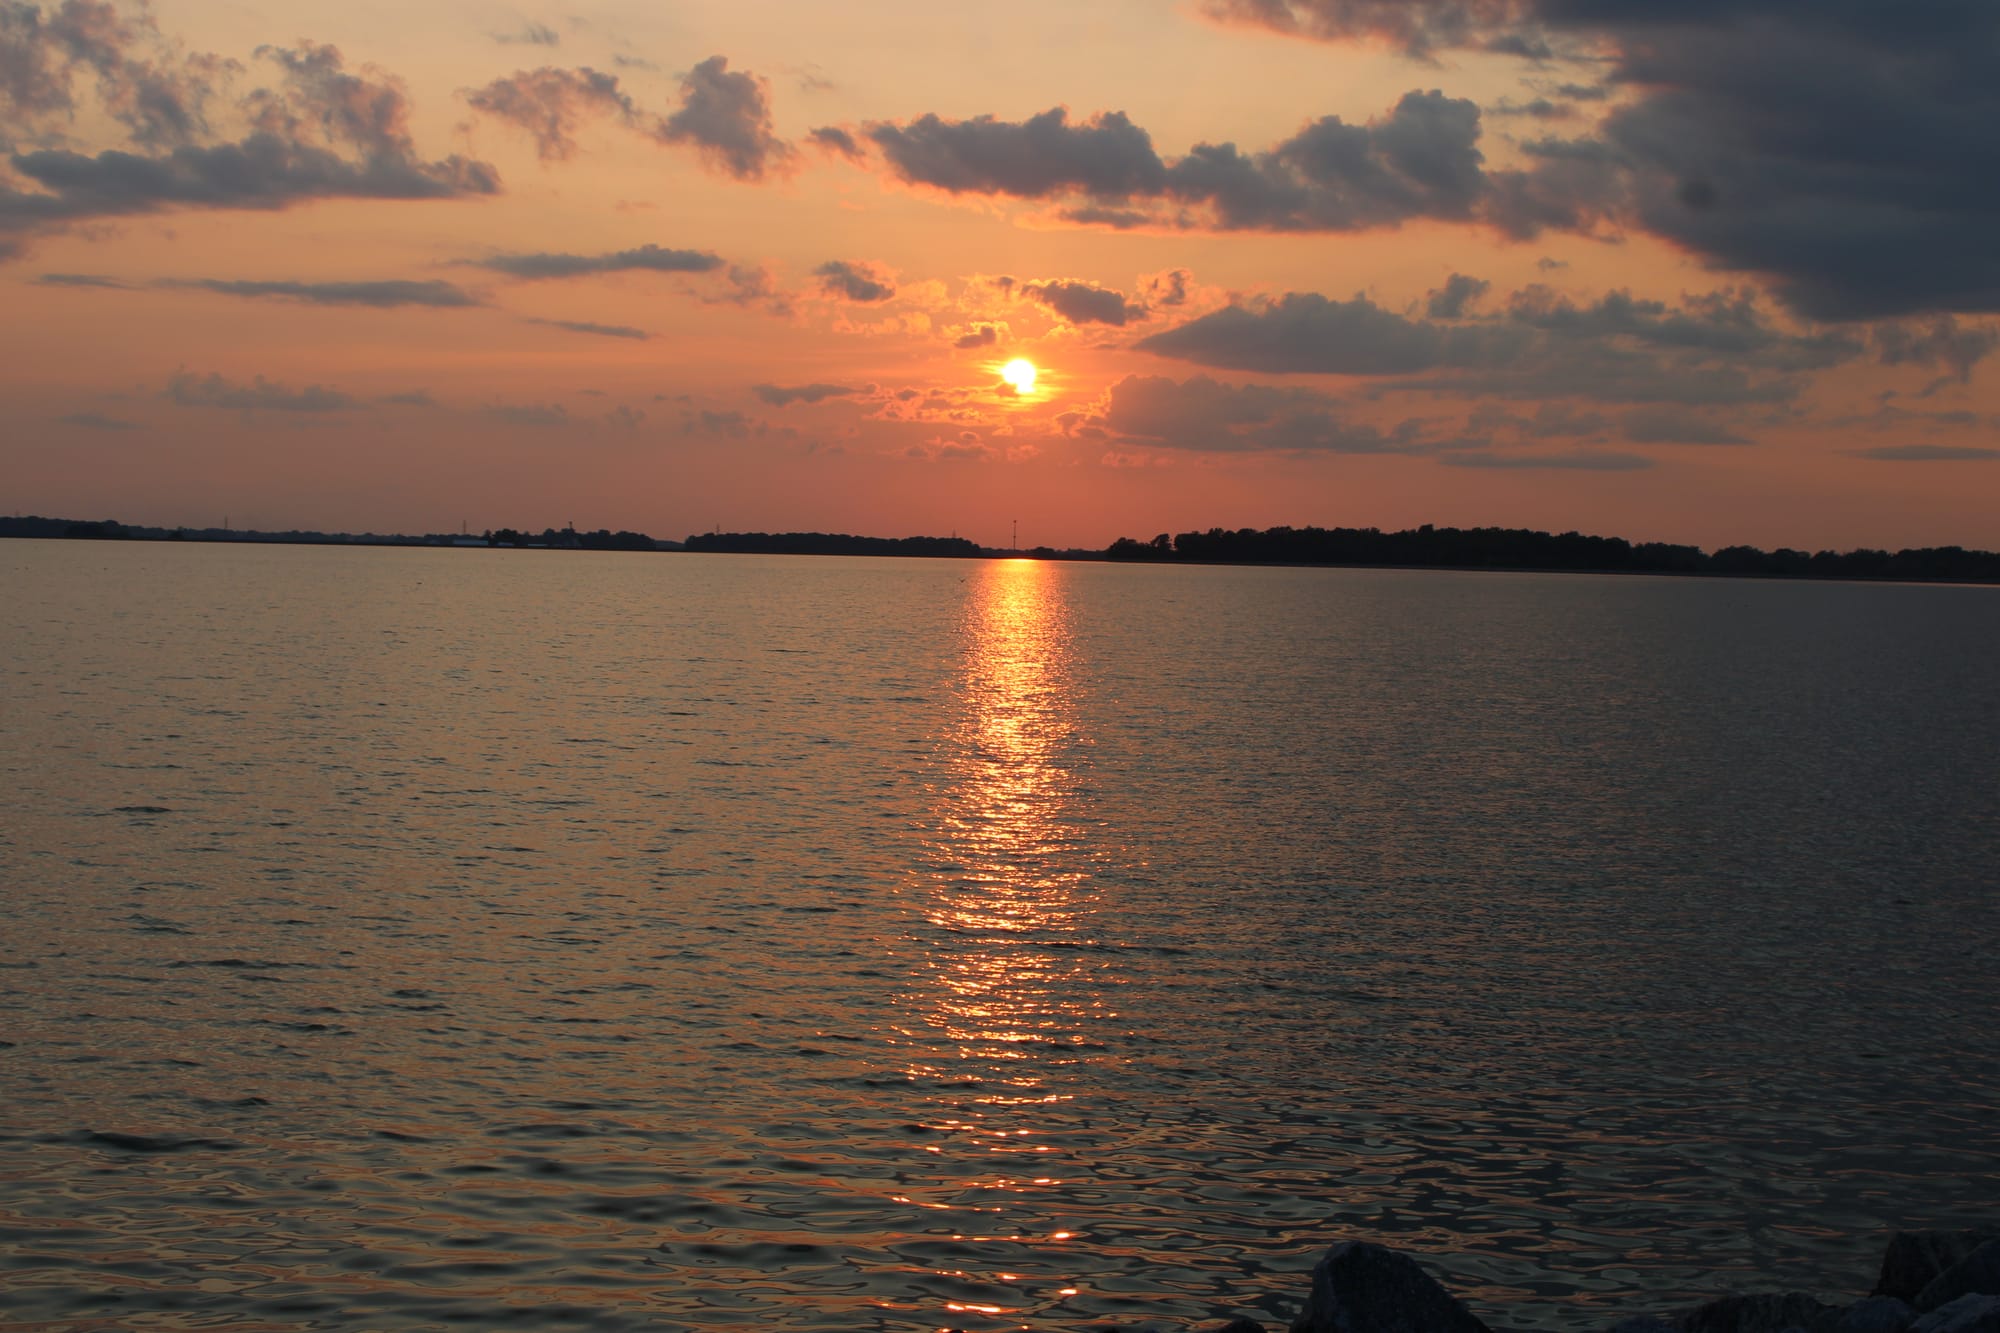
x=421, y=939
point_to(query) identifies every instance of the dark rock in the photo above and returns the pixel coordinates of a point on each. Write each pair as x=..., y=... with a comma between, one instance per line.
x=1976, y=1274
x=1967, y=1314
x=1362, y=1288
x=1914, y=1259
x=1763, y=1313
x=1877, y=1314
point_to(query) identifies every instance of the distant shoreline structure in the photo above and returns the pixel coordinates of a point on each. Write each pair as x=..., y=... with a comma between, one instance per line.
x=1520, y=550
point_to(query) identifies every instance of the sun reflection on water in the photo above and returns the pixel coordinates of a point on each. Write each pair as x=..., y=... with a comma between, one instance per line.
x=1009, y=994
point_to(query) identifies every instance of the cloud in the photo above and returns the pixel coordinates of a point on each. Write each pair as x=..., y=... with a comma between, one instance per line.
x=382, y=294
x=1203, y=415
x=1940, y=340
x=1167, y=288
x=1667, y=425
x=98, y=421
x=1930, y=453
x=1578, y=461
x=727, y=116
x=1709, y=350
x=1106, y=156
x=259, y=395
x=83, y=280
x=1305, y=333
x=856, y=281
x=530, y=414
x=599, y=330
x=652, y=258
x=321, y=133
x=732, y=425
x=551, y=104
x=833, y=139
x=1085, y=303
x=1863, y=183
x=979, y=335
x=1420, y=160
x=1458, y=294
x=780, y=396
x=531, y=34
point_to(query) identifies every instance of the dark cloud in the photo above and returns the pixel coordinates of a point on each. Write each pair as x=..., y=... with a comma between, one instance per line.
x=1667, y=425
x=1085, y=303
x=551, y=104
x=1203, y=415
x=1417, y=27
x=733, y=425
x=98, y=421
x=159, y=95
x=259, y=395
x=1166, y=289
x=381, y=294
x=531, y=34
x=862, y=282
x=727, y=116
x=1106, y=157
x=1305, y=333
x=1841, y=151
x=1709, y=350
x=980, y=335
x=530, y=414
x=652, y=258
x=1940, y=340
x=1458, y=295
x=782, y=396
x=1931, y=453
x=835, y=140
x=82, y=280
x=1580, y=460
x=323, y=133
x=598, y=330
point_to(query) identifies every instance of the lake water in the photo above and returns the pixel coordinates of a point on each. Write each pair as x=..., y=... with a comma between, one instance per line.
x=421, y=939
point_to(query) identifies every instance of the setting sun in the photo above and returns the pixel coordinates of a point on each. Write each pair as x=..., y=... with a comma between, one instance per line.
x=1020, y=373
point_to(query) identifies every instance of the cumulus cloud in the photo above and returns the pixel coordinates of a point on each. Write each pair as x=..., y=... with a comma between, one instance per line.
x=727, y=116
x=782, y=396
x=381, y=294
x=1940, y=340
x=1106, y=156
x=551, y=104
x=320, y=132
x=979, y=335
x=1085, y=303
x=1458, y=294
x=650, y=258
x=833, y=139
x=855, y=281
x=260, y=395
x=1862, y=183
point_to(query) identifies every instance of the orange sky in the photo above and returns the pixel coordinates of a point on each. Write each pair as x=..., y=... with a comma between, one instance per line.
x=757, y=265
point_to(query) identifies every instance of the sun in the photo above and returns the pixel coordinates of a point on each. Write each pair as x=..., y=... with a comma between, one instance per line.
x=1020, y=372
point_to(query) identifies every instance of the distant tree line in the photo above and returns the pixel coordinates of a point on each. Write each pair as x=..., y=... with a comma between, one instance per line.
x=111, y=530
x=830, y=543
x=1525, y=548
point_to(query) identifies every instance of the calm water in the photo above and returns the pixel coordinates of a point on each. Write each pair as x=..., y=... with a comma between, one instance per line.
x=412, y=939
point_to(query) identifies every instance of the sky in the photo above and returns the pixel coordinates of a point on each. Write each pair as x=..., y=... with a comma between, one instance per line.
x=1710, y=271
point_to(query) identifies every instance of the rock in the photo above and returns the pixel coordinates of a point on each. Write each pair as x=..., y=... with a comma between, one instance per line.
x=1877, y=1314
x=1967, y=1314
x=1763, y=1313
x=1362, y=1288
x=1976, y=1274
x=1914, y=1259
